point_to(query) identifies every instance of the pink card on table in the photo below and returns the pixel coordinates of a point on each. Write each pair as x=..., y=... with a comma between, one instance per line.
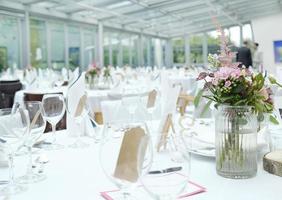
x=192, y=189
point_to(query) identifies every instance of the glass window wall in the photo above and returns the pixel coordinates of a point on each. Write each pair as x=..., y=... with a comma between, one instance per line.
x=38, y=43
x=57, y=48
x=9, y=42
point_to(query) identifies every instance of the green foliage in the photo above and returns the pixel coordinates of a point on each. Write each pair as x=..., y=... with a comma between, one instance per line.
x=198, y=97
x=273, y=120
x=274, y=81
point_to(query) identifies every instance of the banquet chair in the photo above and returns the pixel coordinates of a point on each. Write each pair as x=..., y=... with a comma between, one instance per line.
x=61, y=125
x=7, y=92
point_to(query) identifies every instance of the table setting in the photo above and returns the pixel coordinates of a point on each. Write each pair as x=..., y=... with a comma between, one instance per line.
x=221, y=142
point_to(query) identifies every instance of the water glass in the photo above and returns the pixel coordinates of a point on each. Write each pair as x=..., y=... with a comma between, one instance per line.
x=275, y=139
x=35, y=129
x=121, y=166
x=13, y=131
x=169, y=173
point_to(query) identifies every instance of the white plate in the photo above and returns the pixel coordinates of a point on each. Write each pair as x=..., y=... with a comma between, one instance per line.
x=203, y=152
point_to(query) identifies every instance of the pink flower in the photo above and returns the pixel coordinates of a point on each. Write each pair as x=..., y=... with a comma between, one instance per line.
x=225, y=73
x=227, y=83
x=263, y=92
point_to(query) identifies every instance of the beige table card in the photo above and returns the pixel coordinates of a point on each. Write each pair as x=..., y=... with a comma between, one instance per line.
x=80, y=105
x=152, y=99
x=165, y=132
x=131, y=155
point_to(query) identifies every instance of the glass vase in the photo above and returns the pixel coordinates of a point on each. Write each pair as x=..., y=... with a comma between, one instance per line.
x=93, y=82
x=236, y=142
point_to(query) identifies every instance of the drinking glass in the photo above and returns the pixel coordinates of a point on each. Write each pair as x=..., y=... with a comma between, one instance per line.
x=35, y=129
x=131, y=104
x=169, y=174
x=124, y=159
x=53, y=111
x=13, y=131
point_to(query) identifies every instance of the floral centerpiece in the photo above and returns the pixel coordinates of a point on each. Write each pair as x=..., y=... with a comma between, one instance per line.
x=92, y=75
x=107, y=77
x=241, y=98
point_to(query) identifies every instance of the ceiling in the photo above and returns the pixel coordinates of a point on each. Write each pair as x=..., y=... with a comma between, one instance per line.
x=166, y=18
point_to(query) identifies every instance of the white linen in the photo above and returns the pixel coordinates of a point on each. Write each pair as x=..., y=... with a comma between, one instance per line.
x=76, y=174
x=75, y=91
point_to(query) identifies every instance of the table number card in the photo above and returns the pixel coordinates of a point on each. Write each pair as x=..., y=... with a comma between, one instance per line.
x=152, y=99
x=131, y=155
x=165, y=132
x=80, y=105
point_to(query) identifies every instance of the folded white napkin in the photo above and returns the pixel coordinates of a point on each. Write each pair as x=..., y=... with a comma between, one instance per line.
x=64, y=73
x=169, y=100
x=3, y=158
x=74, y=75
x=75, y=91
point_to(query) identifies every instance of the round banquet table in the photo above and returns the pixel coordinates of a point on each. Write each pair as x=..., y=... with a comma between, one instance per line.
x=74, y=174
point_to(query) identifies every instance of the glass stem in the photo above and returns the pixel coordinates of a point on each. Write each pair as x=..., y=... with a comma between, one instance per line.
x=29, y=169
x=78, y=136
x=54, y=133
x=11, y=169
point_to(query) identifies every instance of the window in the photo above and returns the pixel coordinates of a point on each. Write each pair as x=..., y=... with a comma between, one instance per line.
x=89, y=46
x=126, y=48
x=74, y=47
x=9, y=42
x=38, y=43
x=146, y=51
x=247, y=32
x=178, y=50
x=134, y=51
x=235, y=35
x=152, y=51
x=57, y=36
x=164, y=52
x=115, y=48
x=213, y=42
x=196, y=49
x=107, y=43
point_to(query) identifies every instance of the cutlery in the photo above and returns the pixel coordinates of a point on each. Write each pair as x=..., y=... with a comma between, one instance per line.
x=168, y=170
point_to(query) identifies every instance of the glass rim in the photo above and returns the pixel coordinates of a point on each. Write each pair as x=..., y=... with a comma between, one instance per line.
x=32, y=102
x=223, y=106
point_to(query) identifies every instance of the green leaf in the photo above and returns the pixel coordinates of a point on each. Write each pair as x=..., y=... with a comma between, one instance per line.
x=205, y=109
x=273, y=120
x=198, y=98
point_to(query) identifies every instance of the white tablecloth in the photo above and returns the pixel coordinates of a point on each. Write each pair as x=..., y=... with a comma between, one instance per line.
x=74, y=174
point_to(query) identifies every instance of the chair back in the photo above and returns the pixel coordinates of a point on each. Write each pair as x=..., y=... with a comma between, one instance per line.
x=7, y=92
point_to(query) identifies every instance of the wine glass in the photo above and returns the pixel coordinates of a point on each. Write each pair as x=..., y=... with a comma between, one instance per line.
x=35, y=129
x=124, y=159
x=53, y=112
x=81, y=112
x=131, y=104
x=169, y=173
x=13, y=131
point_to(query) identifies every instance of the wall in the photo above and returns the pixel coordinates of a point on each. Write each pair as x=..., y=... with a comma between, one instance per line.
x=266, y=30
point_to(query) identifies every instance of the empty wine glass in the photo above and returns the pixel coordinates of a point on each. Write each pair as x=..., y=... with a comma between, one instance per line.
x=124, y=159
x=131, y=104
x=53, y=112
x=13, y=130
x=35, y=129
x=169, y=174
